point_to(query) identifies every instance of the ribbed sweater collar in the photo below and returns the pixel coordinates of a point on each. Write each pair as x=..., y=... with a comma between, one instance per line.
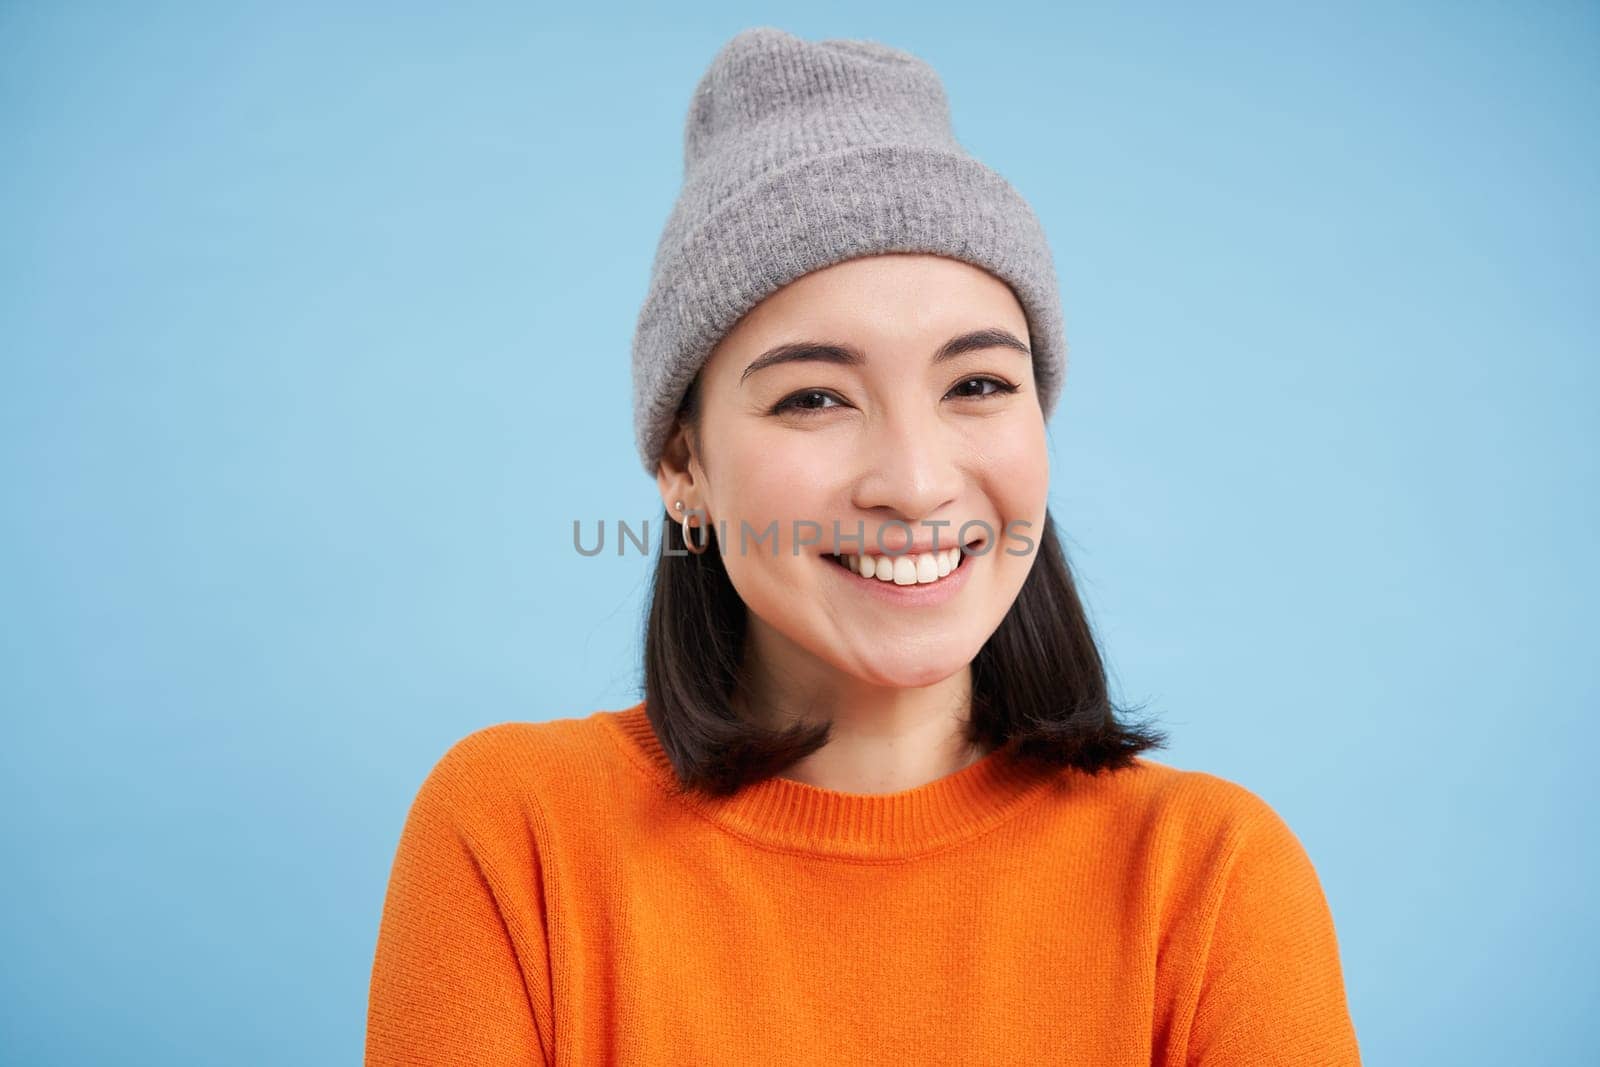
x=795, y=816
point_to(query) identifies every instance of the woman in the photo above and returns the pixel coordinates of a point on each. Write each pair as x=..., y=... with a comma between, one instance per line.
x=876, y=806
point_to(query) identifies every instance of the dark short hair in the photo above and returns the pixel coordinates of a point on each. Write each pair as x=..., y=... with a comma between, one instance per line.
x=1038, y=683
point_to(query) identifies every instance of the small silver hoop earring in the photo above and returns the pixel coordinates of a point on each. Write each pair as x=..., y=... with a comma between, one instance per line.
x=688, y=540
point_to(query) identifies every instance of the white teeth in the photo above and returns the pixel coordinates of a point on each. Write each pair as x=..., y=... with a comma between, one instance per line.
x=916, y=569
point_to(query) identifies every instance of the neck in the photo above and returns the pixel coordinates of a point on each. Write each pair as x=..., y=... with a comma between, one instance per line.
x=884, y=739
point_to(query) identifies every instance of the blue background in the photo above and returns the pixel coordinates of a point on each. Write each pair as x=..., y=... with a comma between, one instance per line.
x=316, y=331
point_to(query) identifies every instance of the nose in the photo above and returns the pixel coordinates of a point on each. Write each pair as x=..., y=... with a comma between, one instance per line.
x=910, y=467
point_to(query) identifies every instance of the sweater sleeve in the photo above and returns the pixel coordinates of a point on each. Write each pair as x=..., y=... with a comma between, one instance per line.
x=1273, y=990
x=461, y=969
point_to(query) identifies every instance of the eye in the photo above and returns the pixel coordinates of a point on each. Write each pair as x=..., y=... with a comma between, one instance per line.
x=1000, y=387
x=802, y=403
x=811, y=401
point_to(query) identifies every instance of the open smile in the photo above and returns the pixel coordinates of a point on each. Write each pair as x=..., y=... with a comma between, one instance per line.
x=913, y=578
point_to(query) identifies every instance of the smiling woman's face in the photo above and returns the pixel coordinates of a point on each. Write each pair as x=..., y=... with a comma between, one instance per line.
x=887, y=426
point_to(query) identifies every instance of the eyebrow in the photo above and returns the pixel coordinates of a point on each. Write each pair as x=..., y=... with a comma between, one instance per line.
x=849, y=356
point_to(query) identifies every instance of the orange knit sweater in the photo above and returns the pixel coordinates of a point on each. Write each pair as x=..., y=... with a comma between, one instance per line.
x=551, y=903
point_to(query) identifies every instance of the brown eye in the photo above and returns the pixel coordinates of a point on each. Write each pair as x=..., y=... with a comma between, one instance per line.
x=1000, y=387
x=804, y=402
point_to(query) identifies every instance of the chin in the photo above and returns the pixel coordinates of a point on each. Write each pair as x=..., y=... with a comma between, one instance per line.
x=914, y=669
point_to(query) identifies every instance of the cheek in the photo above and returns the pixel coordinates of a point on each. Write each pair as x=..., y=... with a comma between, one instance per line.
x=750, y=449
x=757, y=511
x=1014, y=465
x=746, y=499
x=782, y=477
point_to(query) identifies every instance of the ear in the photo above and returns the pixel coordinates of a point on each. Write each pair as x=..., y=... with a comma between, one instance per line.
x=674, y=474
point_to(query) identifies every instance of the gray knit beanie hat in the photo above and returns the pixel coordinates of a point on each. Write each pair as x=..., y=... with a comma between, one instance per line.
x=799, y=155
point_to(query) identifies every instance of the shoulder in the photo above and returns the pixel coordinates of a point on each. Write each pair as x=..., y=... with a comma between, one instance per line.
x=1204, y=822
x=1197, y=798
x=507, y=774
x=1249, y=956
